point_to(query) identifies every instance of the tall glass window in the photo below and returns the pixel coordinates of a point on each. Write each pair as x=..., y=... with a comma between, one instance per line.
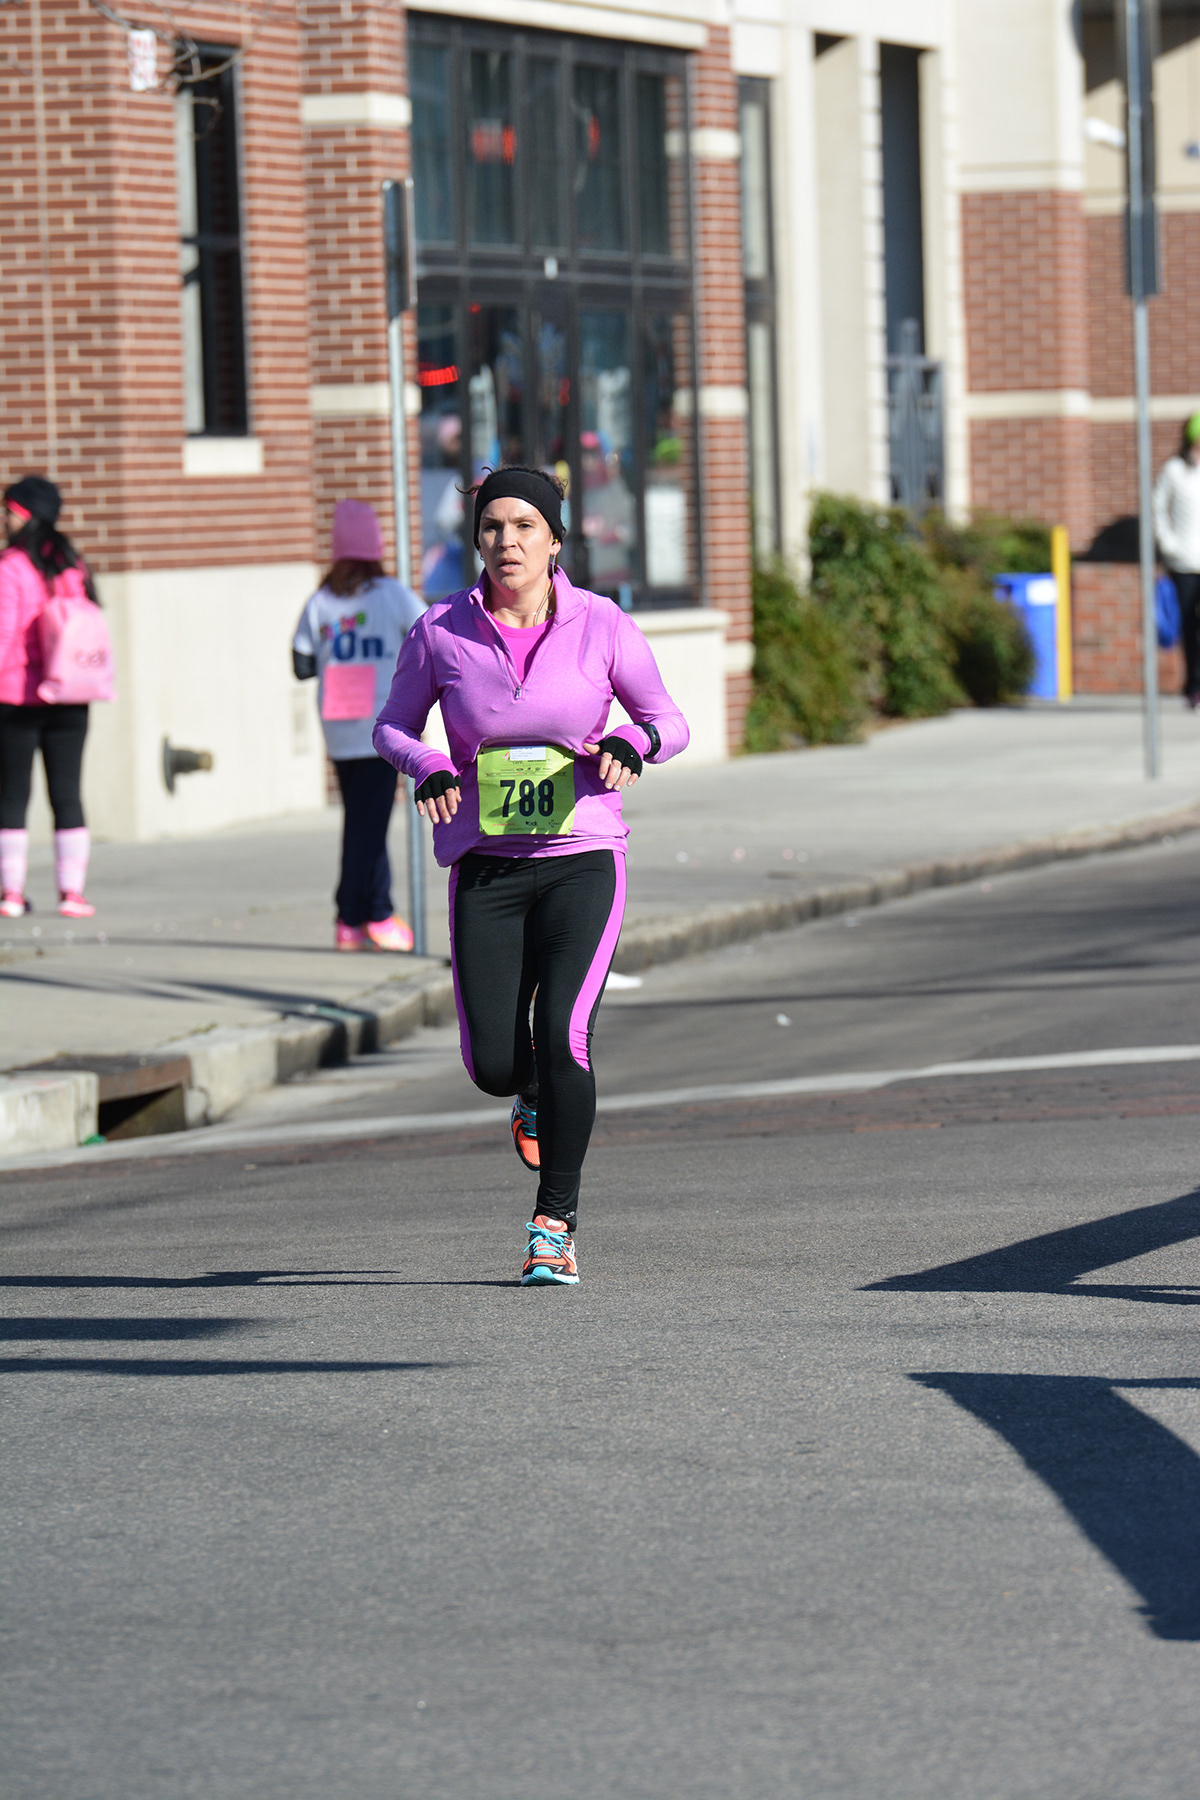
x=599, y=183
x=210, y=251
x=433, y=165
x=491, y=148
x=555, y=316
x=758, y=270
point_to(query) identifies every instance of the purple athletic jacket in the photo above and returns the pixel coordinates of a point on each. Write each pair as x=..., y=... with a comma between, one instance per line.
x=454, y=654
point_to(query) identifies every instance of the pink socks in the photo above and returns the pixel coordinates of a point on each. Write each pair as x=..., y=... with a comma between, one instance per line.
x=71, y=859
x=14, y=860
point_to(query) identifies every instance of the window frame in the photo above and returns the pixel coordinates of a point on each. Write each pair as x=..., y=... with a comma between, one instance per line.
x=760, y=308
x=224, y=416
x=561, y=284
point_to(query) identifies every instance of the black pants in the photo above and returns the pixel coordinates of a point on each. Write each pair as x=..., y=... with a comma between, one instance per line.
x=58, y=732
x=520, y=923
x=364, y=891
x=1188, y=589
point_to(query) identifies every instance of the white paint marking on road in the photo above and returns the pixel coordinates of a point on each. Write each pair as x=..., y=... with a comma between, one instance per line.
x=331, y=1131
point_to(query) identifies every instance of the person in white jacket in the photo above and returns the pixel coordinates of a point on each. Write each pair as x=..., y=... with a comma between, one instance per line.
x=349, y=637
x=1177, y=528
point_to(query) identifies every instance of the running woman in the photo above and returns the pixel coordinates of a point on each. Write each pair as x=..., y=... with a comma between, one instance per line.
x=526, y=814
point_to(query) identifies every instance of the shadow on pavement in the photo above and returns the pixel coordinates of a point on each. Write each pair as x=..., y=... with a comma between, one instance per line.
x=118, y=1330
x=251, y=1278
x=1053, y=1263
x=1130, y=1485
x=198, y=1365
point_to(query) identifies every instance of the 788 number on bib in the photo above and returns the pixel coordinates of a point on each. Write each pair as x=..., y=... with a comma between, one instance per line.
x=526, y=790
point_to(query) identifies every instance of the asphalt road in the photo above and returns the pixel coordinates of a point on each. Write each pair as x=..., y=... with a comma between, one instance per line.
x=865, y=1462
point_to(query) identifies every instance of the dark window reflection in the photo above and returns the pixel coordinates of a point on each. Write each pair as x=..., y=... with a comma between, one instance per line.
x=670, y=455
x=652, y=164
x=600, y=209
x=497, y=388
x=491, y=148
x=433, y=174
x=545, y=149
x=442, y=564
x=606, y=449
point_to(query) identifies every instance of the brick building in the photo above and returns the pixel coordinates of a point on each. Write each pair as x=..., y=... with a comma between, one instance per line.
x=197, y=348
x=702, y=256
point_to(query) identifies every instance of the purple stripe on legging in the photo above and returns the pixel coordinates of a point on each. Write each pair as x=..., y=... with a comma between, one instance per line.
x=589, y=993
x=464, y=1036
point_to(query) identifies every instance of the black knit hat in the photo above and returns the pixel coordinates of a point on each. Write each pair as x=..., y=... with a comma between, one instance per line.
x=38, y=496
x=539, y=489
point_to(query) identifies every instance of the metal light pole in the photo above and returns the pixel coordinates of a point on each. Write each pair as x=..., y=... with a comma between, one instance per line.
x=400, y=264
x=1137, y=23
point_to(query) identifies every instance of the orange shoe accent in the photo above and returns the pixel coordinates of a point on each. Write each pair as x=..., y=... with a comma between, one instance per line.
x=550, y=1256
x=390, y=934
x=524, y=1140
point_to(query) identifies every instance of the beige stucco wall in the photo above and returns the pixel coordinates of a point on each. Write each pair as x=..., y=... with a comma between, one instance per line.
x=203, y=657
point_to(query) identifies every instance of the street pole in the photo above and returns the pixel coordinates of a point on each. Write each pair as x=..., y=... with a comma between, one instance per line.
x=400, y=267
x=1138, y=33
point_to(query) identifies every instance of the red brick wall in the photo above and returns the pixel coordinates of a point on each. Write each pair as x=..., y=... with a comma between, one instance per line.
x=1174, y=338
x=1025, y=291
x=114, y=280
x=345, y=168
x=722, y=337
x=1035, y=468
x=1106, y=624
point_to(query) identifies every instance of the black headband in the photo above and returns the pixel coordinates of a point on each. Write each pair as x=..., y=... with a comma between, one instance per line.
x=521, y=484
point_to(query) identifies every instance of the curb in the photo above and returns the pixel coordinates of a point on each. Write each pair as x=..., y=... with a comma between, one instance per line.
x=710, y=927
x=58, y=1112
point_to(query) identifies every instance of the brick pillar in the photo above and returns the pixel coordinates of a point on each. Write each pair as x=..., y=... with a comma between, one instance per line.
x=356, y=116
x=721, y=376
x=1025, y=301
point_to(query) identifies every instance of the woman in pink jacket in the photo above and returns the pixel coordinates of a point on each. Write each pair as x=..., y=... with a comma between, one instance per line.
x=36, y=553
x=526, y=813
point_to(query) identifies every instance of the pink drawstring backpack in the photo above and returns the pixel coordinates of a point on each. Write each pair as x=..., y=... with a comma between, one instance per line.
x=77, y=657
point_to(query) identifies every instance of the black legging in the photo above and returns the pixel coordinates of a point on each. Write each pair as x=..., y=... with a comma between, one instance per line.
x=364, y=891
x=1188, y=589
x=523, y=922
x=58, y=732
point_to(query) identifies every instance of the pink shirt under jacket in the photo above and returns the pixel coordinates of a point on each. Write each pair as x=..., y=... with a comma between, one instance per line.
x=23, y=594
x=591, y=652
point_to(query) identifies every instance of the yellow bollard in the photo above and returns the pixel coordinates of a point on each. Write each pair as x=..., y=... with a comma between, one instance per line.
x=1060, y=565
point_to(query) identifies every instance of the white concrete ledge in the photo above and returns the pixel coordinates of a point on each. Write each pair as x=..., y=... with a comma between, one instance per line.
x=672, y=621
x=1073, y=403
x=222, y=456
x=682, y=25
x=351, y=400
x=370, y=107
x=708, y=143
x=47, y=1112
x=739, y=657
x=723, y=402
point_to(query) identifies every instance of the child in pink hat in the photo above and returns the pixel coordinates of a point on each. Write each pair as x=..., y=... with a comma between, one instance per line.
x=349, y=637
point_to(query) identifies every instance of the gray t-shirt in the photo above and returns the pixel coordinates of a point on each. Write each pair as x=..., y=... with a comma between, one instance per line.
x=356, y=640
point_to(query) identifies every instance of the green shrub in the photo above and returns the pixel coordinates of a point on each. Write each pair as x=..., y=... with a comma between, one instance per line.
x=808, y=685
x=873, y=577
x=994, y=658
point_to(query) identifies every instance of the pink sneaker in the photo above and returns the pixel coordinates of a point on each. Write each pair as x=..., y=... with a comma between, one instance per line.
x=13, y=905
x=390, y=934
x=74, y=906
x=349, y=937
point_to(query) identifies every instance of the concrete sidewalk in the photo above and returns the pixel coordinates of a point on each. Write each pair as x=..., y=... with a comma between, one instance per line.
x=193, y=937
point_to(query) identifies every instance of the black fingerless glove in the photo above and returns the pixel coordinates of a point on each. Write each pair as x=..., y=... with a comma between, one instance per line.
x=623, y=752
x=435, y=785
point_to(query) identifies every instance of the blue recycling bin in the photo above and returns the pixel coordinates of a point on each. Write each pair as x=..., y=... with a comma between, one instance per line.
x=1035, y=597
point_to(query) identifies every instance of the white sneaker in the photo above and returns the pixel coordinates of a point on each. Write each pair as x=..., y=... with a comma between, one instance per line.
x=14, y=905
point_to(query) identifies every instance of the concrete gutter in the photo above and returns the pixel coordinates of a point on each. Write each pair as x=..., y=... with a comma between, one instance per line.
x=55, y=1112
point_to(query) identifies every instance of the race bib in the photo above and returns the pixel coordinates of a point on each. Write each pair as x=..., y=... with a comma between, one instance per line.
x=526, y=790
x=348, y=691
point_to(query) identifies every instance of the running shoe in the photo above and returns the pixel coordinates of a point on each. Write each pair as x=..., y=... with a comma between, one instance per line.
x=74, y=906
x=524, y=1133
x=390, y=934
x=551, y=1254
x=14, y=905
x=349, y=937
